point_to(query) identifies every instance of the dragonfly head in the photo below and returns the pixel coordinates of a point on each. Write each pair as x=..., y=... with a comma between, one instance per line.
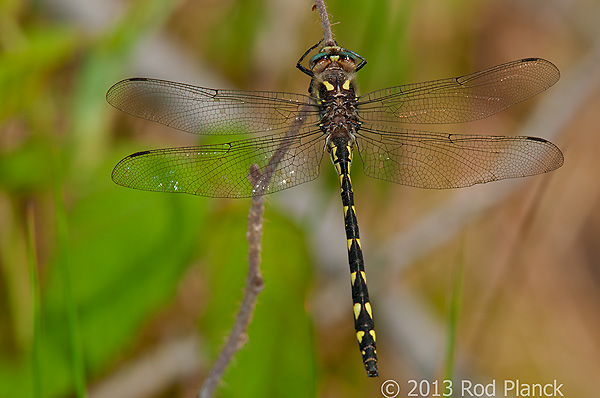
x=335, y=57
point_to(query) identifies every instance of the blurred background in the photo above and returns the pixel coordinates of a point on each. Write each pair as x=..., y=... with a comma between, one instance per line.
x=135, y=291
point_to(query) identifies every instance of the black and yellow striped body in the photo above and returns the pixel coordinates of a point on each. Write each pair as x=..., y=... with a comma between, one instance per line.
x=333, y=85
x=341, y=155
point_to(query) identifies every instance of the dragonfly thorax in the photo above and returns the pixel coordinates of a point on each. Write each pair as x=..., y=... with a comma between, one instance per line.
x=339, y=117
x=333, y=83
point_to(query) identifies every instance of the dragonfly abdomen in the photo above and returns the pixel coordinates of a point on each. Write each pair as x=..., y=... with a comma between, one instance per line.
x=341, y=155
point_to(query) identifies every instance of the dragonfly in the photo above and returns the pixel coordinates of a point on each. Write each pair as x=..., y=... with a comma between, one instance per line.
x=290, y=133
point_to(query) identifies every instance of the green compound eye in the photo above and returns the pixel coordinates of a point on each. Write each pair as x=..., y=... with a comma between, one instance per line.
x=317, y=57
x=349, y=55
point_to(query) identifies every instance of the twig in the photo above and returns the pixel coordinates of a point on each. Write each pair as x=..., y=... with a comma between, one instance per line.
x=254, y=285
x=327, y=35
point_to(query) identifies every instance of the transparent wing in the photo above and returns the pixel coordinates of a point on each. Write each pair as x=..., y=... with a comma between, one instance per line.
x=460, y=99
x=224, y=170
x=201, y=110
x=435, y=160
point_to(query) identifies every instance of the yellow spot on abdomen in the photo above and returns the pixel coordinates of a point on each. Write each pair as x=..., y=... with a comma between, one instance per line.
x=359, y=335
x=372, y=333
x=353, y=277
x=356, y=310
x=368, y=308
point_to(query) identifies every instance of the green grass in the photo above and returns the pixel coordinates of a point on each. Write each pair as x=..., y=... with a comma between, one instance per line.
x=34, y=283
x=73, y=329
x=454, y=309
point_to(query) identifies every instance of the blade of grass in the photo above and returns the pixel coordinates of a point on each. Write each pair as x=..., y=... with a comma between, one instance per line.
x=73, y=330
x=35, y=300
x=454, y=307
